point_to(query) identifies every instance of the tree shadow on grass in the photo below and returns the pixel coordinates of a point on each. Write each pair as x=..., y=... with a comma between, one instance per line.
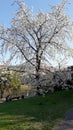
x=21, y=122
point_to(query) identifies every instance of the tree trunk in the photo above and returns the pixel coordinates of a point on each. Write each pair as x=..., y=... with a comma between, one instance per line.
x=38, y=84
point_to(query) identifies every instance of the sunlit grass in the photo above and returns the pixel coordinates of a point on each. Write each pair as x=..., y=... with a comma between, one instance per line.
x=38, y=113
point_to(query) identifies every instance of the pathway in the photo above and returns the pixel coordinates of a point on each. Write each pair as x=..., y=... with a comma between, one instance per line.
x=67, y=123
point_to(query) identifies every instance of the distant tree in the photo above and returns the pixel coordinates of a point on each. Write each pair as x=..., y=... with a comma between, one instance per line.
x=15, y=80
x=61, y=62
x=8, y=81
x=32, y=38
x=2, y=83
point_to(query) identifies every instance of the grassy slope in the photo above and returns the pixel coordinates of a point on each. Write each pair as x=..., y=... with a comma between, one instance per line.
x=38, y=113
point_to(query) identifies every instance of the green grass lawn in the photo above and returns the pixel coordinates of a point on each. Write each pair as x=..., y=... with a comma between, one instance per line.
x=38, y=113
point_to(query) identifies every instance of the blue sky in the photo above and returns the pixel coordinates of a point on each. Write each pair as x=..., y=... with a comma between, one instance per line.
x=7, y=10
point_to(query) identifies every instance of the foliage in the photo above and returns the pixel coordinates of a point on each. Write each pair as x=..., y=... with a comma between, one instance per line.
x=15, y=80
x=9, y=80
